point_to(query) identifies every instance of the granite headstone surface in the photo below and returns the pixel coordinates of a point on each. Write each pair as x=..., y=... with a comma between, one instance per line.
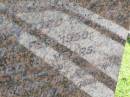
x=59, y=48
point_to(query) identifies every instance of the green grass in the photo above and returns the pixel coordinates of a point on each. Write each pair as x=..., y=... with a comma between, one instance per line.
x=123, y=85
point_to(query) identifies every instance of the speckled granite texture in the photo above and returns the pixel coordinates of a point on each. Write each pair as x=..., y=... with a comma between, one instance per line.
x=61, y=48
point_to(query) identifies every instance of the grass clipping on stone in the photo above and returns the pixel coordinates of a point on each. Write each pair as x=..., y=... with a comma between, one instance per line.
x=123, y=84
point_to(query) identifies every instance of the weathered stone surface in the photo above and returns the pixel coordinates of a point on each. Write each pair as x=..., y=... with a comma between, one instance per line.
x=3, y=8
x=48, y=48
x=24, y=74
x=87, y=42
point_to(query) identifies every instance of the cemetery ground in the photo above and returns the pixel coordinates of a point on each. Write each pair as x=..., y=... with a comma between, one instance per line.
x=123, y=85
